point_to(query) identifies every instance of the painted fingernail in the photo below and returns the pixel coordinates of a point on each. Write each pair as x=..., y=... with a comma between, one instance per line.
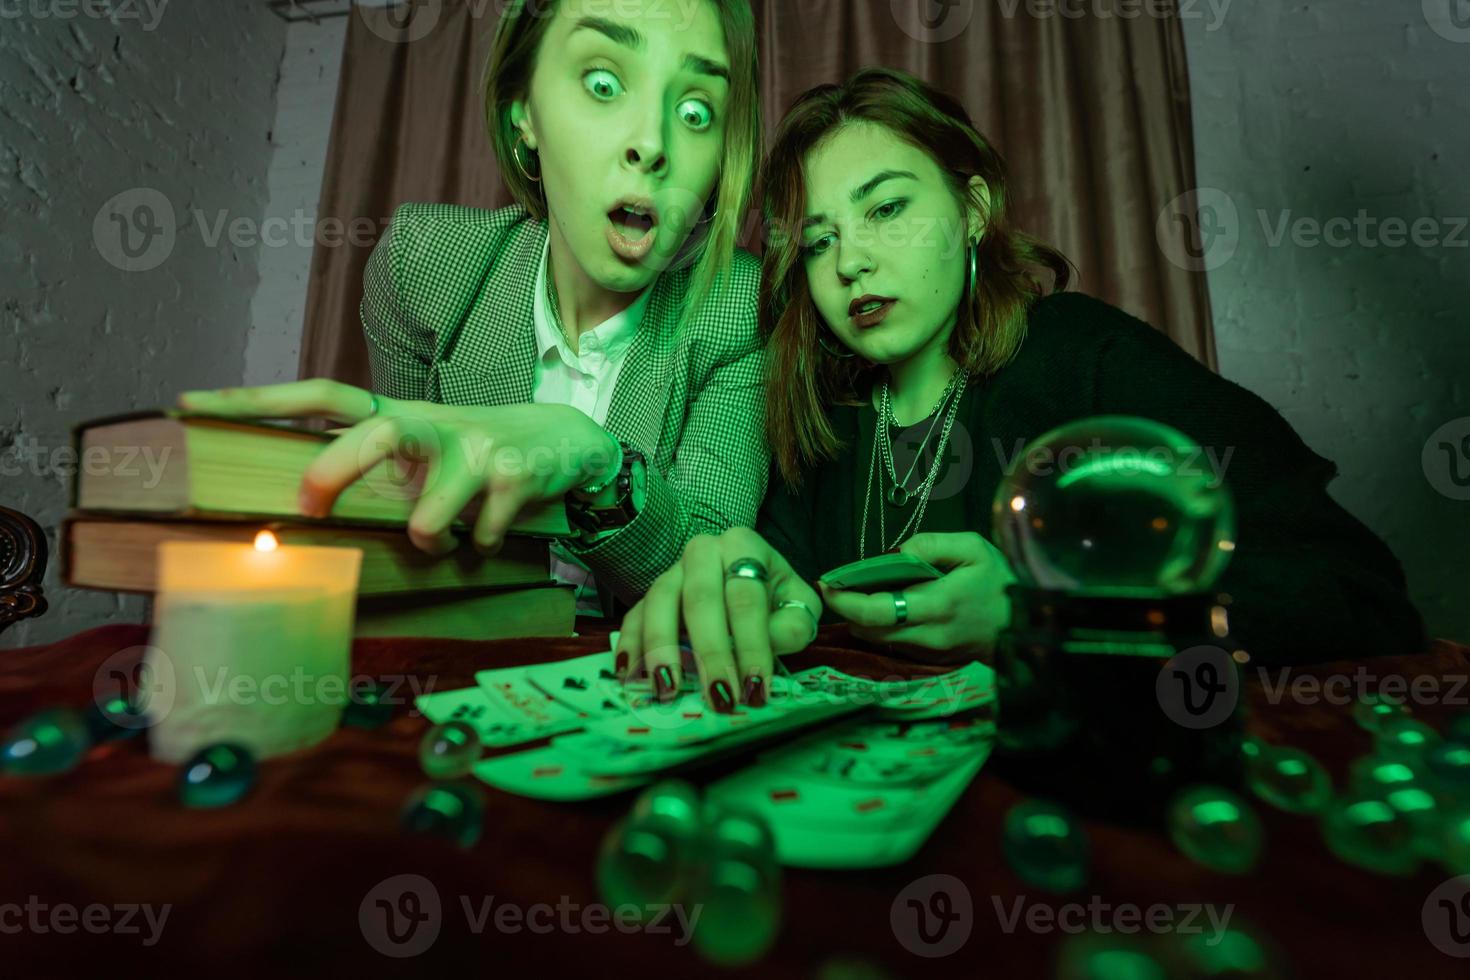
x=721, y=699
x=663, y=683
x=620, y=665
x=755, y=691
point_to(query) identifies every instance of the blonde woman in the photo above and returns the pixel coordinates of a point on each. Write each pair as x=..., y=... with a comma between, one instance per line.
x=602, y=329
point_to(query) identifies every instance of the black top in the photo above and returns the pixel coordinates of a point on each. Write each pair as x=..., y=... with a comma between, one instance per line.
x=1310, y=582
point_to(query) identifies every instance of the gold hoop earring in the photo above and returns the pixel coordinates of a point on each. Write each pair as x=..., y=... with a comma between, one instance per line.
x=516, y=158
x=974, y=261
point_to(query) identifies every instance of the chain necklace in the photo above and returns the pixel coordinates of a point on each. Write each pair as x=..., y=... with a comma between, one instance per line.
x=924, y=488
x=898, y=494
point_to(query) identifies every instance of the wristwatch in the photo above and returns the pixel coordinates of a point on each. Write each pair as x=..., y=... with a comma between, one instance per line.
x=629, y=482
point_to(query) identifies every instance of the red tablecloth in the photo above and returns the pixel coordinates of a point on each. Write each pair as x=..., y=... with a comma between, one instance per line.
x=274, y=885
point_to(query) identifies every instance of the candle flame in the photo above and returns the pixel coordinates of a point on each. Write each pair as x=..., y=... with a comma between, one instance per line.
x=265, y=541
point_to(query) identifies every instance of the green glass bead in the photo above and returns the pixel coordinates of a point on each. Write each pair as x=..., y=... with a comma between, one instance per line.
x=1089, y=956
x=216, y=775
x=1421, y=811
x=112, y=717
x=368, y=706
x=1371, y=713
x=449, y=751
x=645, y=860
x=453, y=811
x=1404, y=738
x=1458, y=728
x=1045, y=846
x=1216, y=828
x=1368, y=832
x=1288, y=779
x=1235, y=953
x=1454, y=841
x=738, y=886
x=1447, y=768
x=1374, y=775
x=48, y=742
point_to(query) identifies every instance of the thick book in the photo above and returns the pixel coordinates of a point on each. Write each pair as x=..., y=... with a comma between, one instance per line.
x=169, y=462
x=120, y=554
x=550, y=610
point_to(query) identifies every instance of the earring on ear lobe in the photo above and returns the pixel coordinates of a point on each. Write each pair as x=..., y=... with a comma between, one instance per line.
x=516, y=157
x=974, y=261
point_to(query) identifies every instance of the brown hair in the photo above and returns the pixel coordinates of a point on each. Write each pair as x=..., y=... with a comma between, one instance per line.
x=803, y=379
x=518, y=37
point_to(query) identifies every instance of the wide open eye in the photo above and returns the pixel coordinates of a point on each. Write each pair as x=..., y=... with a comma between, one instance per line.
x=603, y=84
x=697, y=113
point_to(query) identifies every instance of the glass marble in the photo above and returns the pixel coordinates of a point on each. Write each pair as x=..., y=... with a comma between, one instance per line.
x=368, y=706
x=1235, y=953
x=216, y=775
x=453, y=811
x=1090, y=956
x=48, y=742
x=1372, y=713
x=738, y=886
x=1046, y=846
x=1422, y=813
x=1454, y=841
x=1375, y=775
x=1404, y=738
x=1368, y=832
x=1216, y=828
x=1447, y=767
x=449, y=751
x=1287, y=778
x=645, y=859
x=112, y=716
x=1114, y=505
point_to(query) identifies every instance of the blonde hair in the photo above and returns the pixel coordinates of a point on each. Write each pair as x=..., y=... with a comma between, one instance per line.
x=518, y=37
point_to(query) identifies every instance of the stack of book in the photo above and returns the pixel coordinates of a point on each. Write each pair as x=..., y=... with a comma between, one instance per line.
x=167, y=475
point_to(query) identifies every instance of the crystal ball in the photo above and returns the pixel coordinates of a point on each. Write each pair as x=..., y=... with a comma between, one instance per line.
x=1115, y=505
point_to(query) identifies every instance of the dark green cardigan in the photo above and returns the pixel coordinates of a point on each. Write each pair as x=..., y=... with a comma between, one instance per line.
x=1310, y=582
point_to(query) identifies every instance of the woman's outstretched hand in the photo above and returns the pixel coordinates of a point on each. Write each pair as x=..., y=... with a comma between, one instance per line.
x=957, y=616
x=737, y=625
x=515, y=455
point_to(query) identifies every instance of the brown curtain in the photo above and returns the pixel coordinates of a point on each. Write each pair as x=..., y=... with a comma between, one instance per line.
x=1091, y=114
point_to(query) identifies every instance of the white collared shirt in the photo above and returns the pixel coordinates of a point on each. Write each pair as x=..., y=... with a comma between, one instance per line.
x=585, y=381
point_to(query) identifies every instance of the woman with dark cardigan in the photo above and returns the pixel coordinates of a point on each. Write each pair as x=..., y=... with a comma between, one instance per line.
x=890, y=342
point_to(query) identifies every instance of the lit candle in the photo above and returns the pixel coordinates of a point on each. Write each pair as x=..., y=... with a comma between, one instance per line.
x=251, y=644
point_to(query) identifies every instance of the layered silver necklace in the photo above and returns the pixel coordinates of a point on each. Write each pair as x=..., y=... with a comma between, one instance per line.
x=897, y=492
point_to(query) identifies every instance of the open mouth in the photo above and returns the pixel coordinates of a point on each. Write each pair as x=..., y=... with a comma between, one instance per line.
x=633, y=225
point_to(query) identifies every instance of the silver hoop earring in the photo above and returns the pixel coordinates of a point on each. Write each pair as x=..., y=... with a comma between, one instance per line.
x=516, y=158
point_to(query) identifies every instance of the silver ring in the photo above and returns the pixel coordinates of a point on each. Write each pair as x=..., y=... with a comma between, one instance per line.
x=747, y=568
x=900, y=609
x=798, y=604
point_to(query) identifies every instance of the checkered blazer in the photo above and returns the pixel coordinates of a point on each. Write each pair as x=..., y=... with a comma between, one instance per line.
x=446, y=307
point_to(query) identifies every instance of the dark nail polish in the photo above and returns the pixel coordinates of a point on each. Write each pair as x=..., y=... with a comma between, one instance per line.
x=755, y=691
x=721, y=699
x=663, y=683
x=620, y=665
